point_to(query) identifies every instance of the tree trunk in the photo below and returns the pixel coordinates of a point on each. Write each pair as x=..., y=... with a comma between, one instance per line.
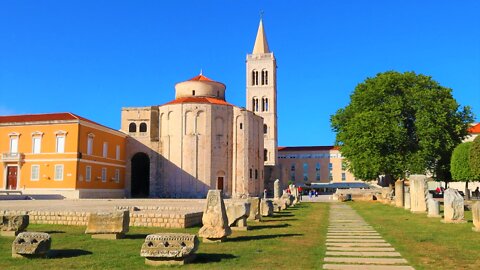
x=467, y=191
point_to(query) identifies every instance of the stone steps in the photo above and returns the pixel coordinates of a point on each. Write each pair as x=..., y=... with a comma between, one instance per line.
x=353, y=244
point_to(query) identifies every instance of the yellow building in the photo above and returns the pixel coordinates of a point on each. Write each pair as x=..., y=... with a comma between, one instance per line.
x=63, y=154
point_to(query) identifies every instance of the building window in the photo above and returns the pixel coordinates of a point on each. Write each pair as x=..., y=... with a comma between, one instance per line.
x=60, y=144
x=117, y=152
x=265, y=155
x=254, y=77
x=143, y=127
x=14, y=144
x=317, y=171
x=241, y=126
x=35, y=175
x=330, y=168
x=88, y=173
x=344, y=176
x=105, y=149
x=58, y=172
x=193, y=92
x=250, y=172
x=265, y=128
x=132, y=127
x=36, y=144
x=256, y=174
x=266, y=104
x=104, y=175
x=90, y=144
x=305, y=172
x=255, y=104
x=117, y=175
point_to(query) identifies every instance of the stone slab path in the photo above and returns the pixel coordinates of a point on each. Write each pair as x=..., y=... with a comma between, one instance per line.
x=353, y=244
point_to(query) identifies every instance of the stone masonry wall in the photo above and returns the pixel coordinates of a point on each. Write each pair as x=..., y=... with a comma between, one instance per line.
x=137, y=218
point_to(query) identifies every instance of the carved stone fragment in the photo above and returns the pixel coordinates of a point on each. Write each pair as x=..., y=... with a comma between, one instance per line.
x=476, y=216
x=254, y=209
x=31, y=244
x=433, y=208
x=108, y=225
x=169, y=248
x=453, y=208
x=266, y=207
x=215, y=223
x=418, y=193
x=237, y=213
x=11, y=225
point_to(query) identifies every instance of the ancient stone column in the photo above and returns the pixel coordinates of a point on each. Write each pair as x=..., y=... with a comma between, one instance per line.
x=407, y=200
x=418, y=193
x=476, y=217
x=215, y=223
x=399, y=194
x=453, y=208
x=277, y=192
x=433, y=208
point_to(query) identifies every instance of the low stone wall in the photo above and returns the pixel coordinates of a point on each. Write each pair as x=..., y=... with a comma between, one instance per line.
x=137, y=218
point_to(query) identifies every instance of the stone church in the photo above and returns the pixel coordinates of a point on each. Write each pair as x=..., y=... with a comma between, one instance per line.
x=199, y=141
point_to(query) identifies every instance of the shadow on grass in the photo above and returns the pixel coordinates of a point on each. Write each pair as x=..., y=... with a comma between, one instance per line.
x=261, y=237
x=278, y=215
x=52, y=232
x=261, y=227
x=212, y=257
x=283, y=219
x=67, y=253
x=135, y=236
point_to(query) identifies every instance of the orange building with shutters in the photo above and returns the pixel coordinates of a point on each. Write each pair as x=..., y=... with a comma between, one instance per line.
x=62, y=154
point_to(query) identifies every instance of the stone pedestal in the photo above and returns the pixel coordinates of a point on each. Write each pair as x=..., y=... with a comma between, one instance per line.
x=169, y=248
x=12, y=225
x=453, y=208
x=433, y=208
x=108, y=225
x=418, y=193
x=215, y=222
x=399, y=193
x=31, y=245
x=407, y=200
x=266, y=208
x=476, y=216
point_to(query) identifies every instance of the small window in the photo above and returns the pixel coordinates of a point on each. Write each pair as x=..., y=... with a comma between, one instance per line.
x=35, y=175
x=37, y=143
x=193, y=92
x=241, y=126
x=265, y=154
x=60, y=144
x=132, y=127
x=117, y=175
x=143, y=127
x=265, y=129
x=250, y=172
x=104, y=175
x=88, y=173
x=344, y=176
x=330, y=176
x=90, y=144
x=117, y=152
x=256, y=174
x=292, y=168
x=14, y=144
x=317, y=175
x=105, y=149
x=58, y=172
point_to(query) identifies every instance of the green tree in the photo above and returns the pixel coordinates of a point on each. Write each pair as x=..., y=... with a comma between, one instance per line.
x=474, y=159
x=460, y=165
x=398, y=123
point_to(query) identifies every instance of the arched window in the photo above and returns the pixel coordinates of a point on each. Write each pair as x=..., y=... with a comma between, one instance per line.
x=266, y=104
x=255, y=104
x=263, y=104
x=254, y=77
x=266, y=77
x=265, y=129
x=132, y=127
x=143, y=127
x=265, y=154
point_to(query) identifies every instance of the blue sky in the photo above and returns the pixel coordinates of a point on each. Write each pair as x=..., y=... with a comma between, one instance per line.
x=94, y=57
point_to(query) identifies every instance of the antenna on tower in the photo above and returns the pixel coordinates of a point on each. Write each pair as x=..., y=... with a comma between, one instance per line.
x=261, y=14
x=201, y=71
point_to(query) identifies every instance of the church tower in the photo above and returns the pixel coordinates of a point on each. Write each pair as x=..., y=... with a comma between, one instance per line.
x=262, y=94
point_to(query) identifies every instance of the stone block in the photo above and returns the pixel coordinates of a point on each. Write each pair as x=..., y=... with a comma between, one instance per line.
x=215, y=221
x=418, y=193
x=453, y=207
x=476, y=216
x=169, y=248
x=102, y=224
x=11, y=225
x=31, y=245
x=237, y=213
x=399, y=193
x=433, y=208
x=266, y=208
x=407, y=200
x=254, y=209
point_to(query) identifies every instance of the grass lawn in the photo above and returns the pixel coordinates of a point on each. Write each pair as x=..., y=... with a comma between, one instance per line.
x=293, y=239
x=425, y=242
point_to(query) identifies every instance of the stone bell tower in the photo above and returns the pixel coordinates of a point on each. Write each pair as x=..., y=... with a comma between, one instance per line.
x=262, y=94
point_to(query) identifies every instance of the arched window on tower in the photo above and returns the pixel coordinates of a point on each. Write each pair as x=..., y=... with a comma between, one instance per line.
x=253, y=104
x=265, y=154
x=132, y=127
x=264, y=77
x=263, y=104
x=143, y=127
x=254, y=77
x=265, y=128
x=266, y=104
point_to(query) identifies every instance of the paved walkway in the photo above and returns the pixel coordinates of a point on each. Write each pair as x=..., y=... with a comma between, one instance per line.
x=354, y=244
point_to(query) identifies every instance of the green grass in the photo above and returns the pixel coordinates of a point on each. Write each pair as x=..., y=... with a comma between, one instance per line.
x=293, y=239
x=425, y=242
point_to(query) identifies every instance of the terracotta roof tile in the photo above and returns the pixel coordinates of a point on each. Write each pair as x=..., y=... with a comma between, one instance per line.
x=201, y=78
x=199, y=100
x=474, y=129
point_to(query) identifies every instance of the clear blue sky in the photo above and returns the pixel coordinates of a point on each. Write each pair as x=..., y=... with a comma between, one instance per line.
x=94, y=57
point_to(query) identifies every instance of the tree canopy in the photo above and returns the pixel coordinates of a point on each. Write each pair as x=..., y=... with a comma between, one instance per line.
x=459, y=165
x=398, y=123
x=474, y=159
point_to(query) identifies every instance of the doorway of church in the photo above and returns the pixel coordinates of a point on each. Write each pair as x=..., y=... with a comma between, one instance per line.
x=220, y=183
x=140, y=181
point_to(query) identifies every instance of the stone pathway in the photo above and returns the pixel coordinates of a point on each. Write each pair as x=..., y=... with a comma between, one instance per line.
x=354, y=244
